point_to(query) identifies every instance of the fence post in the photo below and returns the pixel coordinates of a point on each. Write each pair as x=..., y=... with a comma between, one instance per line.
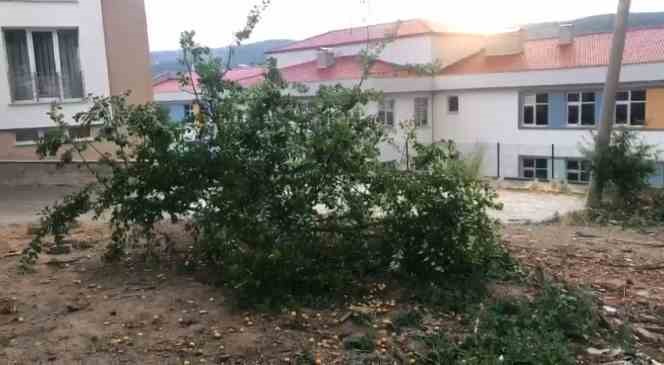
x=553, y=162
x=498, y=160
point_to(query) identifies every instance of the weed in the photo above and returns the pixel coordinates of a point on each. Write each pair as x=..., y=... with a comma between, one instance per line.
x=363, y=343
x=305, y=358
x=411, y=318
x=515, y=331
x=361, y=319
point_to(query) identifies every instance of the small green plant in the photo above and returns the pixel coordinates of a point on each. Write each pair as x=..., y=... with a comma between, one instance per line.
x=363, y=343
x=305, y=358
x=516, y=331
x=362, y=319
x=411, y=318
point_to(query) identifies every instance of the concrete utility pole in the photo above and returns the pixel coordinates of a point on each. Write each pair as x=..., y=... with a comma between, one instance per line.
x=609, y=98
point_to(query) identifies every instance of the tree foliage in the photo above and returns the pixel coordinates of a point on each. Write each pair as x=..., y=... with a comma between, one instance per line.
x=285, y=196
x=624, y=167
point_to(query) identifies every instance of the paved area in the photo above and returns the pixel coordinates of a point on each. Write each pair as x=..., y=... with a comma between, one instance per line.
x=534, y=207
x=21, y=204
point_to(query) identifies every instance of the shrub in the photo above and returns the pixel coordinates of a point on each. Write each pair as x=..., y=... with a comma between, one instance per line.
x=519, y=332
x=287, y=197
x=624, y=167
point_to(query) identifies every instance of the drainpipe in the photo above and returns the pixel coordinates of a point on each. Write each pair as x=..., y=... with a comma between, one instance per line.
x=433, y=117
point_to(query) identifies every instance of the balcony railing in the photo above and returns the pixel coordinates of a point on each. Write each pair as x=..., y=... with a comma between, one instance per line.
x=28, y=87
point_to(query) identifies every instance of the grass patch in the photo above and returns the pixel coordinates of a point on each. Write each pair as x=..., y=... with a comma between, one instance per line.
x=516, y=331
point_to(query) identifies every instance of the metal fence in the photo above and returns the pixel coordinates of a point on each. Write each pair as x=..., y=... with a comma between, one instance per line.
x=545, y=162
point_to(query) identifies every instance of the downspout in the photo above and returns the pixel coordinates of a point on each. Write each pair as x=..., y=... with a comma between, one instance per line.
x=433, y=116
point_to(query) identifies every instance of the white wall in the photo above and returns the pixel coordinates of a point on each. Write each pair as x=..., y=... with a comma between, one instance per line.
x=84, y=14
x=487, y=117
x=404, y=111
x=410, y=50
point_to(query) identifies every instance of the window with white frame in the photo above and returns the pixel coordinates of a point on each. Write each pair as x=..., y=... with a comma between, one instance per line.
x=578, y=171
x=453, y=104
x=581, y=108
x=29, y=136
x=421, y=111
x=43, y=64
x=386, y=112
x=631, y=107
x=535, y=168
x=536, y=109
x=187, y=110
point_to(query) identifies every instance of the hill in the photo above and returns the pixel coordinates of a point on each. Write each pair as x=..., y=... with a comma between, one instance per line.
x=249, y=54
x=254, y=53
x=593, y=24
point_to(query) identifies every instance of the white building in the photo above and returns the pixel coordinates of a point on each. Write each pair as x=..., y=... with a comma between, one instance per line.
x=62, y=51
x=525, y=105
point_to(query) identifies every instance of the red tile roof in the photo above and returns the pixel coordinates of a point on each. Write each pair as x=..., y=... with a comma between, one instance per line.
x=344, y=68
x=406, y=28
x=642, y=46
x=246, y=76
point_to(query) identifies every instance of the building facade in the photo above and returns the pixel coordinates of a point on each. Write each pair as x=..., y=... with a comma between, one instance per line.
x=92, y=47
x=526, y=108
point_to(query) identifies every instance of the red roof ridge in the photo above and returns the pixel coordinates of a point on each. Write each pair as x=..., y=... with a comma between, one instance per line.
x=643, y=45
x=293, y=46
x=341, y=58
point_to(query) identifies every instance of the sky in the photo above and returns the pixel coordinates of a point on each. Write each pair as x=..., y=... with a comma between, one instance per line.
x=215, y=20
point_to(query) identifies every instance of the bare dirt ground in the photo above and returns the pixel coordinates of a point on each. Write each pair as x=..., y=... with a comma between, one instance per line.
x=73, y=308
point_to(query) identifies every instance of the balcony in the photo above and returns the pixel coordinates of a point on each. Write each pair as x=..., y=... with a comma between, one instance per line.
x=36, y=88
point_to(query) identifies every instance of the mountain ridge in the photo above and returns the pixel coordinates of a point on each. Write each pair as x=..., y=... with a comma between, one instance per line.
x=254, y=53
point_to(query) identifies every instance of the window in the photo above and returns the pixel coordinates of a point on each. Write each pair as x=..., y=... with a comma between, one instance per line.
x=386, y=112
x=453, y=104
x=631, y=107
x=32, y=135
x=27, y=136
x=536, y=110
x=421, y=111
x=79, y=133
x=578, y=171
x=43, y=64
x=535, y=168
x=581, y=108
x=187, y=110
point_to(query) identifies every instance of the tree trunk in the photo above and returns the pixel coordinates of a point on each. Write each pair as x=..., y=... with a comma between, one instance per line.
x=603, y=138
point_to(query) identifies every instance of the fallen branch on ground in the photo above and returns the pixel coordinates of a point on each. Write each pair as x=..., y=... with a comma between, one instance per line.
x=636, y=243
x=648, y=267
x=10, y=254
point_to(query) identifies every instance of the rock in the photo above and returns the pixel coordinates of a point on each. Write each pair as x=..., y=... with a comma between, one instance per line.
x=597, y=352
x=71, y=307
x=610, y=310
x=361, y=309
x=646, y=335
x=8, y=306
x=186, y=322
x=59, y=250
x=613, y=284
